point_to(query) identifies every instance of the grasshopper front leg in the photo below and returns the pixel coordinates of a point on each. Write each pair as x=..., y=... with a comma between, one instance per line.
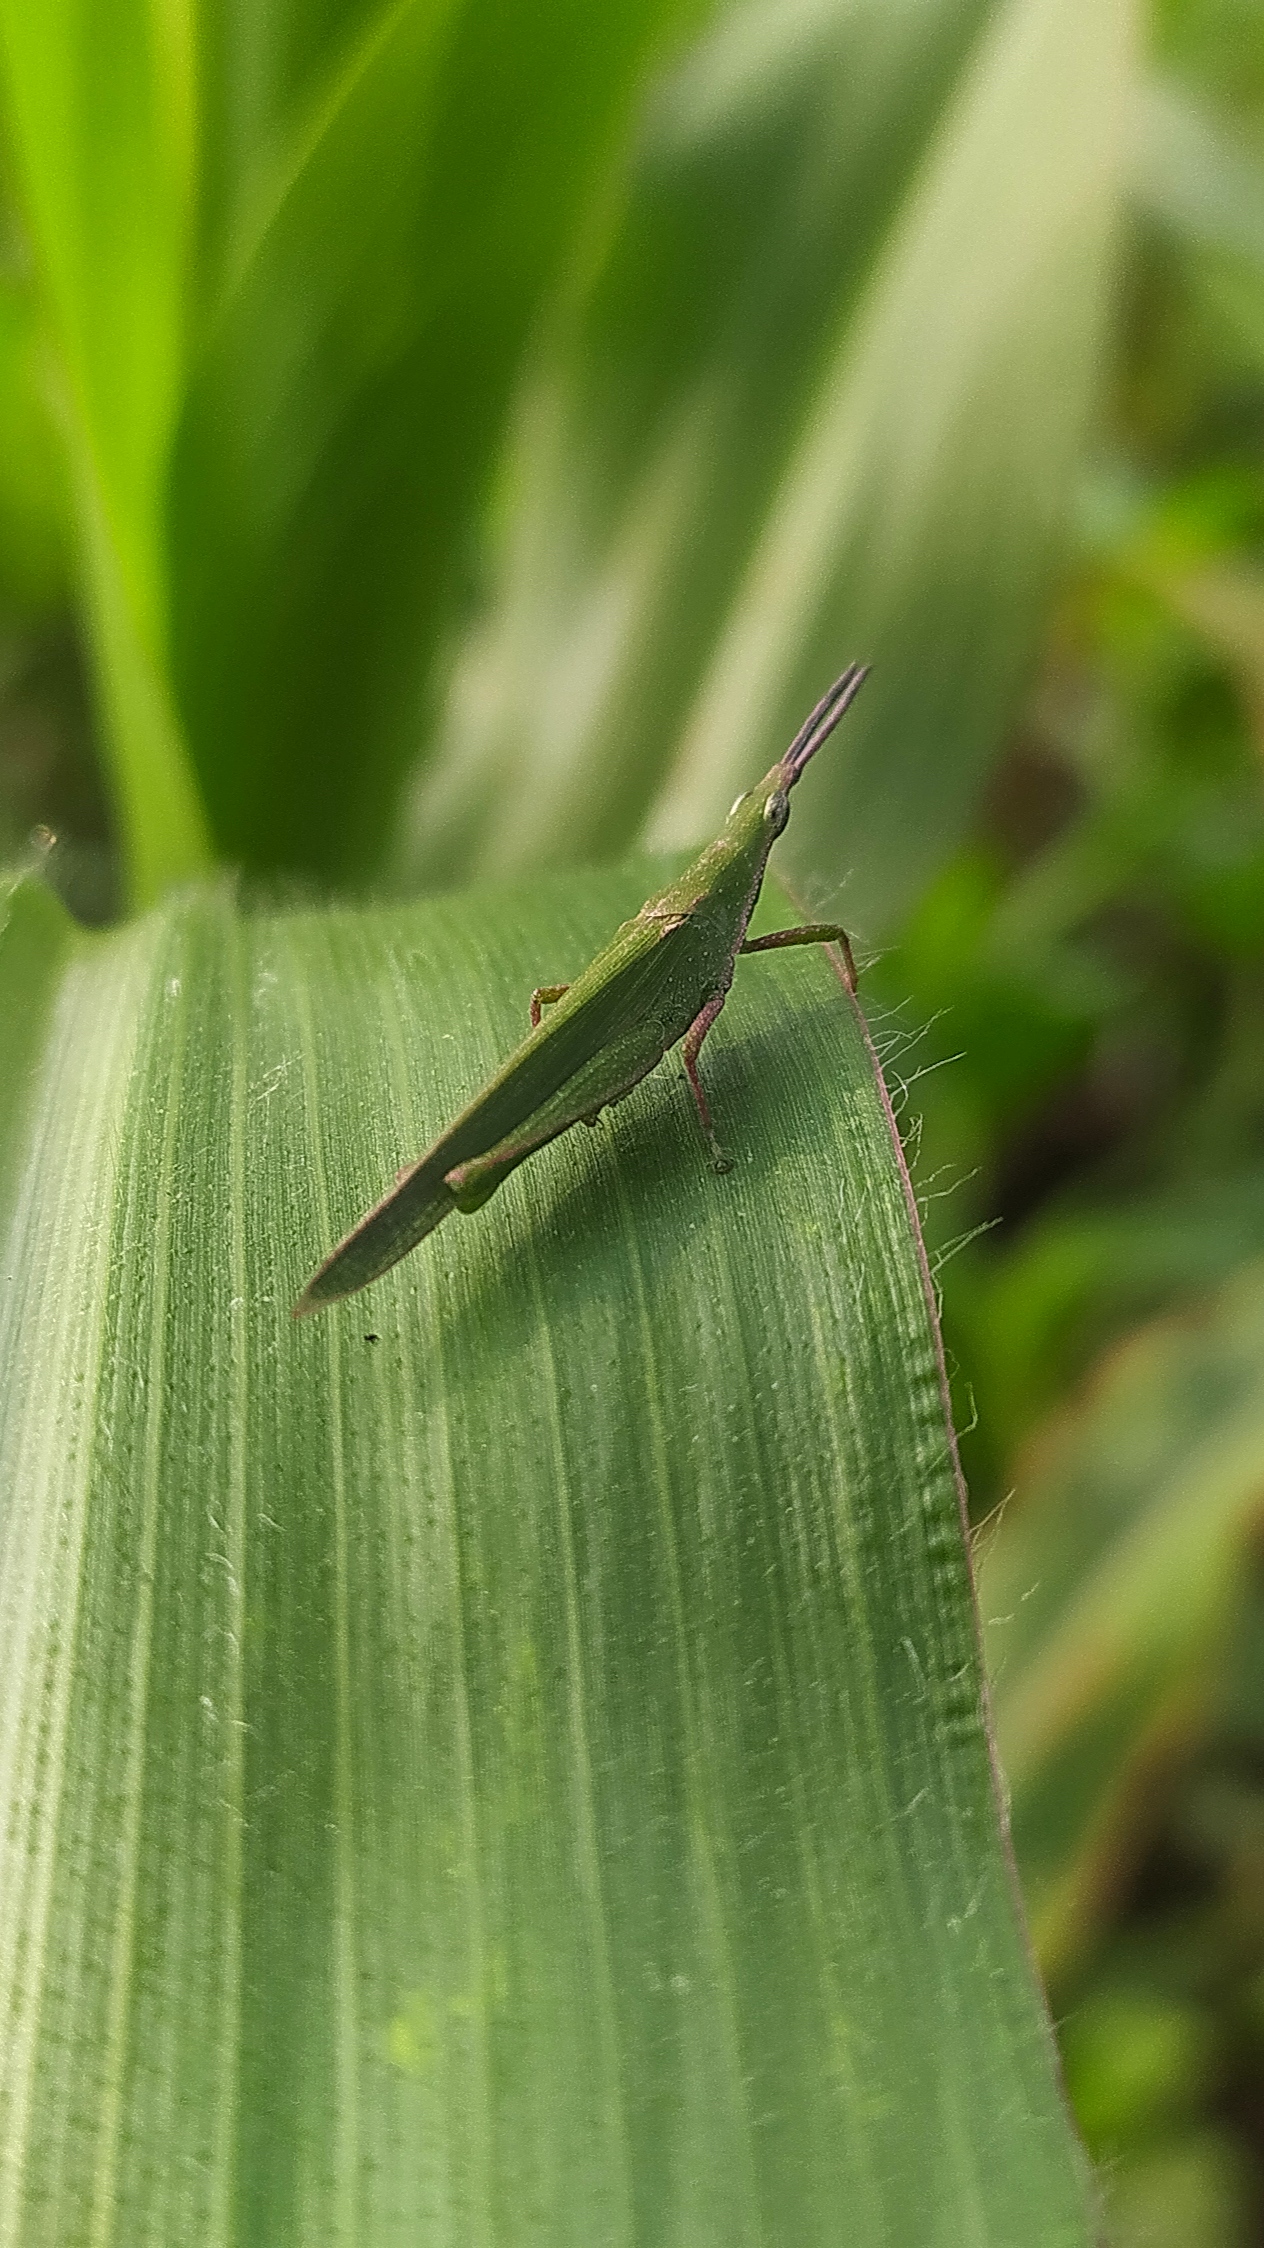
x=812, y=932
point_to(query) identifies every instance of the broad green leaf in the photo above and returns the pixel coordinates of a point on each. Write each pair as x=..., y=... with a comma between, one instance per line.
x=503, y=1761
x=98, y=97
x=1108, y=1590
x=821, y=402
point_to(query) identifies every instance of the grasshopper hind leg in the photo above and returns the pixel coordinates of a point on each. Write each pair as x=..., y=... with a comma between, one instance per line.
x=469, y=1194
x=692, y=1047
x=545, y=995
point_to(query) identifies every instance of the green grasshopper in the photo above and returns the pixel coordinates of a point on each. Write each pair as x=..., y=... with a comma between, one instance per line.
x=663, y=977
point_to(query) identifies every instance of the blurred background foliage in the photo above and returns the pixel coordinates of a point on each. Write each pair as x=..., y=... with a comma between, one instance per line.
x=470, y=517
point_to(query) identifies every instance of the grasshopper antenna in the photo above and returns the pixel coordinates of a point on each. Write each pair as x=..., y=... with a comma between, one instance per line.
x=820, y=725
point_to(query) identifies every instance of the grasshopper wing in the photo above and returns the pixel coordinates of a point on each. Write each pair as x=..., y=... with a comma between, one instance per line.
x=626, y=1006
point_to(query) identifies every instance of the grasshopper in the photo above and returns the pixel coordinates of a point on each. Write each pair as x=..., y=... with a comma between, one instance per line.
x=663, y=977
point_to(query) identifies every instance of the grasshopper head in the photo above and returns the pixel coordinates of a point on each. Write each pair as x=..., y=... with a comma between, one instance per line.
x=763, y=810
x=767, y=808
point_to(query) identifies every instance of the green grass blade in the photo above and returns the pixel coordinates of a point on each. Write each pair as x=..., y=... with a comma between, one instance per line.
x=824, y=401
x=504, y=1761
x=98, y=104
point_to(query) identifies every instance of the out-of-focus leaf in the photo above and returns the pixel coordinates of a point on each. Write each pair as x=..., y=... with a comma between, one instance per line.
x=1135, y=2061
x=372, y=284
x=99, y=115
x=1194, y=174
x=1195, y=2191
x=821, y=402
x=1080, y=1277
x=34, y=528
x=1197, y=176
x=286, y=328
x=1107, y=1590
x=504, y=1761
x=1226, y=605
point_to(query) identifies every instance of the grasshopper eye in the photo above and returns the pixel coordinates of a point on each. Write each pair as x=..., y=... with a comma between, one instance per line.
x=777, y=810
x=738, y=800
